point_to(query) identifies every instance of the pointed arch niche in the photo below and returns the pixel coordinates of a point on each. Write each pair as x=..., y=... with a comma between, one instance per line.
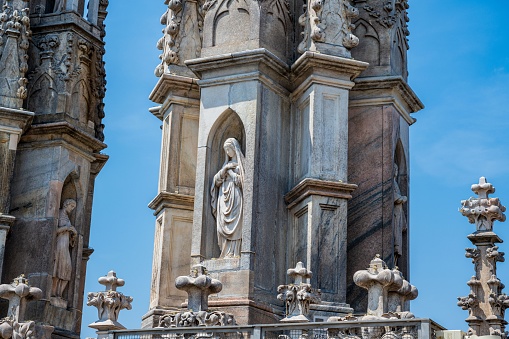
x=401, y=161
x=228, y=125
x=72, y=190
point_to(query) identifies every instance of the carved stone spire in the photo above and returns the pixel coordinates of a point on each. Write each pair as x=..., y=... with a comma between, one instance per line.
x=485, y=302
x=14, y=35
x=328, y=27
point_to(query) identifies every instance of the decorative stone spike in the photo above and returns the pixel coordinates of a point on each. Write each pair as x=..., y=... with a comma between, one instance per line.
x=299, y=295
x=109, y=303
x=485, y=303
x=198, y=286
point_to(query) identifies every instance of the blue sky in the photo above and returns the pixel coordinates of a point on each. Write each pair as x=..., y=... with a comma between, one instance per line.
x=459, y=67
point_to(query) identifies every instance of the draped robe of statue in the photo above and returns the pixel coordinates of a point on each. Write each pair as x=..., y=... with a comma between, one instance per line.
x=59, y=6
x=399, y=216
x=62, y=270
x=227, y=200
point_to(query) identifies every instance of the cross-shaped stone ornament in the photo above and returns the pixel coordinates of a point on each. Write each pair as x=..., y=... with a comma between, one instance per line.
x=111, y=282
x=483, y=188
x=198, y=286
x=19, y=293
x=300, y=274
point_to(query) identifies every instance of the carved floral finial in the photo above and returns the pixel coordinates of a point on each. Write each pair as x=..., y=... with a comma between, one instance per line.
x=298, y=296
x=483, y=210
x=109, y=303
x=198, y=285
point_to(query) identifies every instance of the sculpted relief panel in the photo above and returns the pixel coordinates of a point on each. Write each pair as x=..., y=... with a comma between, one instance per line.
x=67, y=75
x=383, y=29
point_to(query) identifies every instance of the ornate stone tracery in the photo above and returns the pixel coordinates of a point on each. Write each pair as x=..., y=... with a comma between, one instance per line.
x=328, y=27
x=14, y=43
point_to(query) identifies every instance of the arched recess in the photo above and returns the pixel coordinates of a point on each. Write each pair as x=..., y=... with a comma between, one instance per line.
x=43, y=96
x=399, y=53
x=369, y=43
x=228, y=125
x=72, y=189
x=80, y=102
x=231, y=14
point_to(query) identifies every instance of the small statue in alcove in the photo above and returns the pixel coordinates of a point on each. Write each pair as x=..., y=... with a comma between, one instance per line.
x=66, y=238
x=227, y=200
x=399, y=217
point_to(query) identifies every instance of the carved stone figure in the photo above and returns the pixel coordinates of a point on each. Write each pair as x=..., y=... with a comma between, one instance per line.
x=66, y=235
x=227, y=200
x=399, y=216
x=59, y=6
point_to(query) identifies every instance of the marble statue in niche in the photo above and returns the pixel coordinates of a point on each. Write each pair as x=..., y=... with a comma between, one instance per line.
x=399, y=216
x=227, y=200
x=59, y=6
x=66, y=238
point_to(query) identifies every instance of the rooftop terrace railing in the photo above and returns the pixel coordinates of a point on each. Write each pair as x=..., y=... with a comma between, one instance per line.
x=388, y=329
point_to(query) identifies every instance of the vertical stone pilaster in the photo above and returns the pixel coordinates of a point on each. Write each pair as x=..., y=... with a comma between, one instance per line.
x=173, y=206
x=318, y=200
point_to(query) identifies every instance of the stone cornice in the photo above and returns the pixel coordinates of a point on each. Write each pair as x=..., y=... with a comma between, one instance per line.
x=98, y=164
x=176, y=89
x=15, y=118
x=309, y=186
x=226, y=68
x=63, y=131
x=6, y=221
x=384, y=90
x=166, y=199
x=315, y=68
x=484, y=238
x=54, y=22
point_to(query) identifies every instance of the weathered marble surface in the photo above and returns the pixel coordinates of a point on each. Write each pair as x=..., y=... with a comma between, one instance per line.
x=379, y=122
